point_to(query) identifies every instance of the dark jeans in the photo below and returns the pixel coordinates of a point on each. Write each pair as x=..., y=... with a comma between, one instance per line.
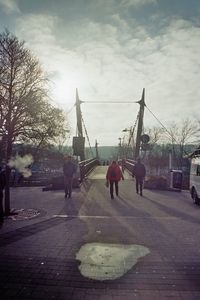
x=139, y=184
x=68, y=185
x=116, y=188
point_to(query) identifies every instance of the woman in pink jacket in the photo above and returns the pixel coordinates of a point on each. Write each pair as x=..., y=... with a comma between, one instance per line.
x=113, y=176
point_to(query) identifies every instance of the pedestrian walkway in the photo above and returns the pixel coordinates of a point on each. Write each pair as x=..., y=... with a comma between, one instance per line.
x=99, y=173
x=39, y=256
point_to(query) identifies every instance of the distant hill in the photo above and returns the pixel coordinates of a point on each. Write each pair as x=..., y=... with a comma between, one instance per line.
x=105, y=152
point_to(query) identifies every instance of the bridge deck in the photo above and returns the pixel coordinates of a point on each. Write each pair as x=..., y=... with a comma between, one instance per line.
x=100, y=173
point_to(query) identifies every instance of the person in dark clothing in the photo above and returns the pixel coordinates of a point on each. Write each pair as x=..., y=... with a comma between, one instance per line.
x=69, y=169
x=2, y=186
x=139, y=173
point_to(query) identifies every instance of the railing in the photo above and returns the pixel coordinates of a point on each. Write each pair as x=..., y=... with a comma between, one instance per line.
x=41, y=178
x=38, y=178
x=129, y=164
x=87, y=166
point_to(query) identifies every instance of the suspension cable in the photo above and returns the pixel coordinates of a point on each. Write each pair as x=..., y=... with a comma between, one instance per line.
x=160, y=122
x=103, y=102
x=87, y=136
x=67, y=112
x=132, y=132
x=171, y=136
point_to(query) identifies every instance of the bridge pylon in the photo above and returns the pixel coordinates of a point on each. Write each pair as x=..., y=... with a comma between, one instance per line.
x=96, y=148
x=140, y=124
x=79, y=141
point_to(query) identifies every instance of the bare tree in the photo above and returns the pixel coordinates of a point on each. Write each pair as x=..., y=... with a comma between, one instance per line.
x=180, y=134
x=25, y=113
x=198, y=134
x=155, y=134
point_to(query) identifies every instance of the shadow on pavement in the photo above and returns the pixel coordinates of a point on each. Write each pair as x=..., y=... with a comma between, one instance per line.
x=28, y=230
x=175, y=213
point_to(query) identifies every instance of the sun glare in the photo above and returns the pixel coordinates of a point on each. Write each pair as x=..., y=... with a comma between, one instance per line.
x=64, y=86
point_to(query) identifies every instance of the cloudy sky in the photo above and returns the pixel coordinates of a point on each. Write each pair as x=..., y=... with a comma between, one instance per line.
x=110, y=50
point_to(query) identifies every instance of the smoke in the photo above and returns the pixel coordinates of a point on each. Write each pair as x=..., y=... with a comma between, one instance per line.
x=20, y=163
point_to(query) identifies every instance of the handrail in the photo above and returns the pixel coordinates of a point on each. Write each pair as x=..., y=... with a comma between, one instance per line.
x=86, y=166
x=129, y=164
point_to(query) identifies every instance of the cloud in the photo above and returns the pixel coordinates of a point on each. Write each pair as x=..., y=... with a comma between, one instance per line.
x=114, y=61
x=37, y=29
x=137, y=3
x=9, y=6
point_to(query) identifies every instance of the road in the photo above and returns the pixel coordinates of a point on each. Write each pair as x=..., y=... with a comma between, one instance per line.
x=94, y=247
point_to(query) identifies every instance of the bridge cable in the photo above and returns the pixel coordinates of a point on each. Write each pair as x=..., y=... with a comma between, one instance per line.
x=87, y=136
x=103, y=102
x=132, y=132
x=170, y=135
x=160, y=123
x=67, y=112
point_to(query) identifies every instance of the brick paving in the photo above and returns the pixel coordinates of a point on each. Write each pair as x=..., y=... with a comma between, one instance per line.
x=38, y=255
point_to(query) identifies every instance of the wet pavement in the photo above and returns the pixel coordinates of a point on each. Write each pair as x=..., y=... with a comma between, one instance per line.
x=43, y=257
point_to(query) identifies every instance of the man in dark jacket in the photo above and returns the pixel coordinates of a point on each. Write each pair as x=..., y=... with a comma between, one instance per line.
x=69, y=169
x=2, y=186
x=139, y=172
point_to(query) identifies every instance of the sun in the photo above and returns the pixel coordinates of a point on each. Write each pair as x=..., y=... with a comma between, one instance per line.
x=64, y=86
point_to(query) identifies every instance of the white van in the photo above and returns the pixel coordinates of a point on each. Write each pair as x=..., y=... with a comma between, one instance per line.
x=195, y=176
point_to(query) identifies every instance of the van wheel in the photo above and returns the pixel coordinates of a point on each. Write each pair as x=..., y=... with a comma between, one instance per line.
x=195, y=197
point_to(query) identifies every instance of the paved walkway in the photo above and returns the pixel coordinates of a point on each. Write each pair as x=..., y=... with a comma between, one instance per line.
x=38, y=255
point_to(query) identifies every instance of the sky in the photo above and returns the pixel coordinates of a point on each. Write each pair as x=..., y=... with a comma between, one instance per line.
x=110, y=50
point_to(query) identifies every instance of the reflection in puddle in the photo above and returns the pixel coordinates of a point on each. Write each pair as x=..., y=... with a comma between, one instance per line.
x=108, y=261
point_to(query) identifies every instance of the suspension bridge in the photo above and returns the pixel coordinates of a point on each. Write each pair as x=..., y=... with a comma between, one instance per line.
x=94, y=247
x=136, y=144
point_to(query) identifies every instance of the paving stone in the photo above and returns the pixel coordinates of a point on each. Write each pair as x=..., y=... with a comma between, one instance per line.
x=38, y=256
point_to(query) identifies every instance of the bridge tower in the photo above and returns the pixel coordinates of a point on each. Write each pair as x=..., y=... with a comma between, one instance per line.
x=140, y=124
x=96, y=148
x=79, y=141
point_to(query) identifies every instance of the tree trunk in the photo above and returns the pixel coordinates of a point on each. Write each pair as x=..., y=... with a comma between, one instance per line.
x=7, y=187
x=7, y=192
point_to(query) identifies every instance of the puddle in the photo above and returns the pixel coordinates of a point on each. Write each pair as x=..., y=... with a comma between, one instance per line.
x=108, y=261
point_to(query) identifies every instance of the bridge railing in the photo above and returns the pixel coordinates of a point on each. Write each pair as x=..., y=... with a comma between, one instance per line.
x=129, y=164
x=86, y=166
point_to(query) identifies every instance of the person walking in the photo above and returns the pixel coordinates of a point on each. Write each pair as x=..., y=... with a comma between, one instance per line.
x=139, y=173
x=69, y=169
x=2, y=186
x=113, y=176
